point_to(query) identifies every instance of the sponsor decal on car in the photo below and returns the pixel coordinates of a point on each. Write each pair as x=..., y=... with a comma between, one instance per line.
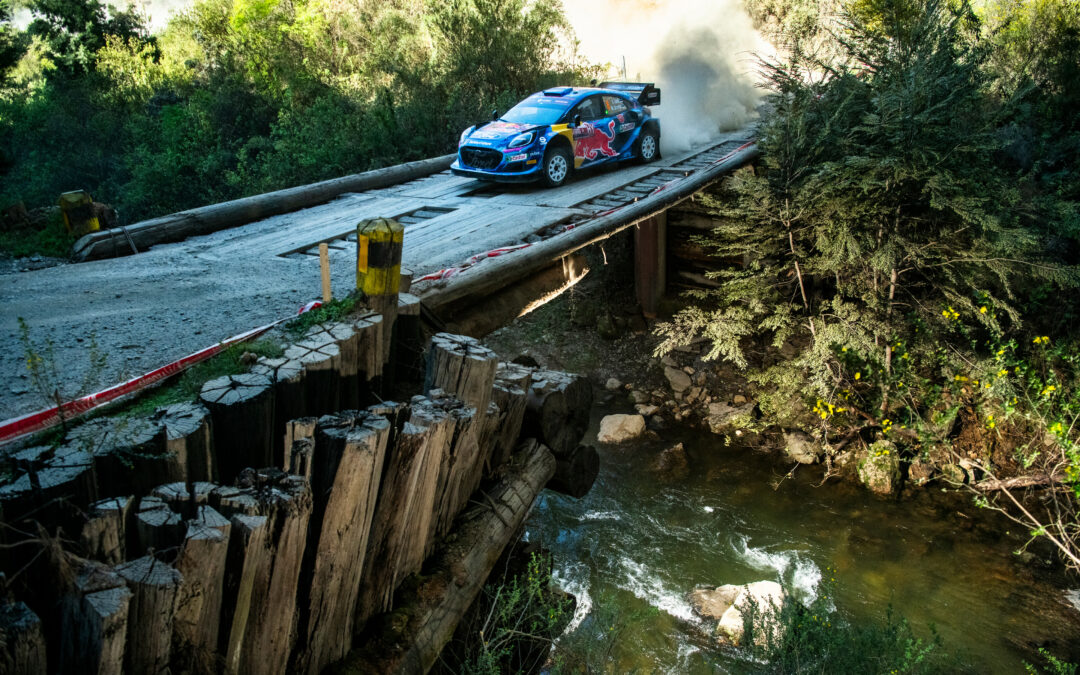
x=626, y=127
x=595, y=144
x=519, y=158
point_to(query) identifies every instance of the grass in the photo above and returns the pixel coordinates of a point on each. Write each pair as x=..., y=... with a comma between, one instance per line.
x=187, y=387
x=330, y=311
x=53, y=240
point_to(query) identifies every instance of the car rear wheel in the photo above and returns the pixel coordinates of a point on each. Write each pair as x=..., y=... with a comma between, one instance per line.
x=648, y=146
x=557, y=166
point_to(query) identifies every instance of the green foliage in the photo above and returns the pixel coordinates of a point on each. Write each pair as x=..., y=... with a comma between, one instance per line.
x=518, y=618
x=330, y=311
x=189, y=385
x=53, y=239
x=238, y=97
x=794, y=638
x=1054, y=666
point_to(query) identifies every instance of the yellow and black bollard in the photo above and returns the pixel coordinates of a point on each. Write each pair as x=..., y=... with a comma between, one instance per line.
x=378, y=261
x=78, y=210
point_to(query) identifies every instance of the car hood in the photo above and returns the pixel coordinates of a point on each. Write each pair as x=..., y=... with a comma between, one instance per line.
x=497, y=134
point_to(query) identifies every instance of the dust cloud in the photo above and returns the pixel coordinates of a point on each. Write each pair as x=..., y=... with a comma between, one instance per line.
x=698, y=52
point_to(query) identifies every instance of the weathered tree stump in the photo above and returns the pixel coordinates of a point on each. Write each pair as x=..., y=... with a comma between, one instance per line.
x=242, y=408
x=459, y=463
x=347, y=339
x=558, y=410
x=153, y=587
x=575, y=473
x=408, y=350
x=54, y=487
x=463, y=367
x=349, y=455
x=158, y=527
x=290, y=400
x=268, y=633
x=94, y=623
x=201, y=562
x=104, y=536
x=405, y=504
x=321, y=359
x=413, y=639
x=510, y=393
x=129, y=454
x=187, y=440
x=247, y=543
x=370, y=363
x=22, y=642
x=185, y=498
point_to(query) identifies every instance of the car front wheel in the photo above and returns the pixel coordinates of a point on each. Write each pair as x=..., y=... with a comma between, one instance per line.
x=557, y=166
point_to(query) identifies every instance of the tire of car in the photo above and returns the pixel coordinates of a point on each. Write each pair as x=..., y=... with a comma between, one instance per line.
x=647, y=147
x=558, y=163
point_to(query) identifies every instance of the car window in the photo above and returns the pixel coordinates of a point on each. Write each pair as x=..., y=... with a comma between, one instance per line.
x=537, y=110
x=613, y=105
x=589, y=109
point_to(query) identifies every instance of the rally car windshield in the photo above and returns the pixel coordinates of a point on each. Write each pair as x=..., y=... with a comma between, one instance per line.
x=537, y=110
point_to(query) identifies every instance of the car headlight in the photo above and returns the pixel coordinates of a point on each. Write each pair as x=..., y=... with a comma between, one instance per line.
x=522, y=140
x=464, y=135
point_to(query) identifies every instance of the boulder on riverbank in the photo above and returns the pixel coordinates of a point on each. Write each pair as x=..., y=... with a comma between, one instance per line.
x=727, y=604
x=724, y=418
x=879, y=468
x=620, y=428
x=802, y=447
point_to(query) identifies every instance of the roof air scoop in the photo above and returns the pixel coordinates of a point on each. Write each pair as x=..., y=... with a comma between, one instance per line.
x=558, y=91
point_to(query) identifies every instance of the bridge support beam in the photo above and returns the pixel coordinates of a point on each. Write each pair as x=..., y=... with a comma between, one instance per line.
x=650, y=262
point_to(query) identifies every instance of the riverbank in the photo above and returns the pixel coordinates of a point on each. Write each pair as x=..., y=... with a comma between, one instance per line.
x=740, y=510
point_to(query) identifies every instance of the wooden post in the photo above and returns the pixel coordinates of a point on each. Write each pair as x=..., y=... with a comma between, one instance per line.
x=575, y=473
x=94, y=620
x=558, y=410
x=157, y=527
x=201, y=562
x=242, y=407
x=408, y=349
x=650, y=262
x=290, y=400
x=321, y=359
x=153, y=586
x=414, y=637
x=247, y=539
x=324, y=267
x=463, y=367
x=370, y=361
x=510, y=393
x=378, y=270
x=261, y=637
x=104, y=536
x=378, y=262
x=22, y=642
x=187, y=440
x=129, y=454
x=459, y=462
x=346, y=472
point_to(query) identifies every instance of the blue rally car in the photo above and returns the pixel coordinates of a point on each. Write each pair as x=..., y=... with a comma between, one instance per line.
x=553, y=132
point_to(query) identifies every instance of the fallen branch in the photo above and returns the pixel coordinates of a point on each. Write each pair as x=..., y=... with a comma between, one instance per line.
x=1037, y=480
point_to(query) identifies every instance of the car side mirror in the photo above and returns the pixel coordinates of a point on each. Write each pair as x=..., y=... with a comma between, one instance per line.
x=494, y=115
x=577, y=120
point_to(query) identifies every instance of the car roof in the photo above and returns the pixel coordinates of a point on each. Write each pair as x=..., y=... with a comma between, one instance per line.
x=577, y=93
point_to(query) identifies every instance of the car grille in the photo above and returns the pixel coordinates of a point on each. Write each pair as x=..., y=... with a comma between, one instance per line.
x=481, y=158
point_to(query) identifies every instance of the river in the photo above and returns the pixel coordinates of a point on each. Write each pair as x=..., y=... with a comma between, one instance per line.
x=638, y=546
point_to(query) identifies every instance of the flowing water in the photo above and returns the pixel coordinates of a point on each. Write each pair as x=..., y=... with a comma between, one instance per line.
x=636, y=546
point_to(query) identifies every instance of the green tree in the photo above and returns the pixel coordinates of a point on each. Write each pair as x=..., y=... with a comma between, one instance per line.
x=880, y=235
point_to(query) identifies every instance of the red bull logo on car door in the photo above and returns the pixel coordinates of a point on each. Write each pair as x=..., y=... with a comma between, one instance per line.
x=594, y=140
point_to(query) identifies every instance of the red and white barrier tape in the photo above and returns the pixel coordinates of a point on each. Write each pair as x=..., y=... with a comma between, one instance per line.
x=451, y=271
x=43, y=419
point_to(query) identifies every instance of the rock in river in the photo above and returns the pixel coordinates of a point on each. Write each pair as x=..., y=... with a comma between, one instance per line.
x=620, y=428
x=671, y=465
x=801, y=447
x=727, y=604
x=679, y=380
x=879, y=468
x=724, y=418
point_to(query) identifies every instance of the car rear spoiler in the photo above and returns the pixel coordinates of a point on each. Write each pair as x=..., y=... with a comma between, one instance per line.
x=647, y=94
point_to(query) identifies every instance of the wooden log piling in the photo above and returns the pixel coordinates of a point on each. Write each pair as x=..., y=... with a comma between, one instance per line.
x=242, y=408
x=154, y=586
x=94, y=620
x=557, y=413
